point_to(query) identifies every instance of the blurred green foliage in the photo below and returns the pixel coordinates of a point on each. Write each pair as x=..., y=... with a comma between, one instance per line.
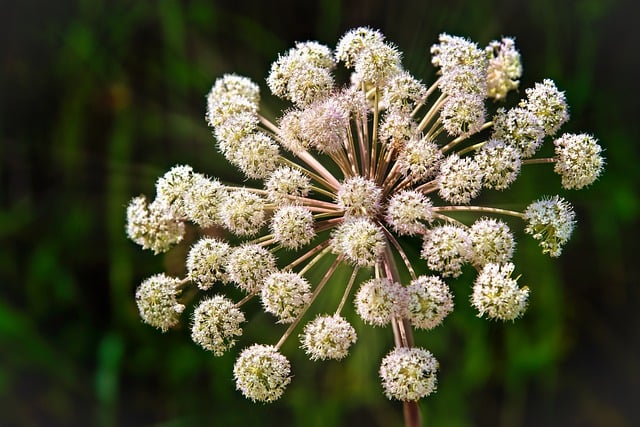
x=98, y=98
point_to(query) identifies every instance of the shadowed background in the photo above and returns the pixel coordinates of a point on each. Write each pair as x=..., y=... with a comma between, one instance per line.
x=99, y=98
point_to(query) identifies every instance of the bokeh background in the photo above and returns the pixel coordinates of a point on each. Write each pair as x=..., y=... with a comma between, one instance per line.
x=98, y=98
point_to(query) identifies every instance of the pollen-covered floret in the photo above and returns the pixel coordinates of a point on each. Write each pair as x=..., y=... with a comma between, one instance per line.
x=419, y=159
x=257, y=155
x=157, y=301
x=460, y=179
x=285, y=182
x=202, y=201
x=397, y=127
x=376, y=64
x=463, y=114
x=234, y=129
x=324, y=124
x=491, y=241
x=500, y=164
x=409, y=374
x=285, y=294
x=463, y=66
x=497, y=295
x=548, y=104
x=429, y=302
x=292, y=226
x=551, y=221
x=303, y=74
x=359, y=196
x=505, y=68
x=518, y=127
x=206, y=262
x=360, y=241
x=234, y=85
x=292, y=136
x=403, y=91
x=328, y=337
x=153, y=226
x=262, y=373
x=248, y=265
x=407, y=212
x=216, y=324
x=230, y=96
x=172, y=186
x=578, y=160
x=446, y=249
x=351, y=45
x=379, y=300
x=242, y=212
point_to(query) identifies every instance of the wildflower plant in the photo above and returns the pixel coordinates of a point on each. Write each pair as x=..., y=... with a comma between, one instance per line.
x=354, y=173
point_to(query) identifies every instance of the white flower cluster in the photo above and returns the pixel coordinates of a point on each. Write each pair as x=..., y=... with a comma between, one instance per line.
x=352, y=175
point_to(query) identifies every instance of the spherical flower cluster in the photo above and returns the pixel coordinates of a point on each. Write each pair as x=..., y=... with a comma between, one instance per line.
x=203, y=199
x=504, y=68
x=172, y=186
x=491, y=241
x=292, y=226
x=360, y=241
x=157, y=301
x=407, y=211
x=548, y=104
x=446, y=249
x=285, y=294
x=378, y=300
x=286, y=184
x=463, y=114
x=328, y=337
x=216, y=324
x=303, y=74
x=262, y=373
x=500, y=164
x=497, y=295
x=409, y=373
x=579, y=160
x=152, y=226
x=374, y=61
x=291, y=132
x=429, y=302
x=403, y=91
x=551, y=221
x=419, y=159
x=248, y=265
x=460, y=179
x=359, y=197
x=256, y=154
x=520, y=128
x=206, y=262
x=397, y=128
x=231, y=92
x=242, y=212
x=463, y=66
x=324, y=124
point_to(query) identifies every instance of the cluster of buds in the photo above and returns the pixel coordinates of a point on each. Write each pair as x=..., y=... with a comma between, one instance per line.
x=353, y=173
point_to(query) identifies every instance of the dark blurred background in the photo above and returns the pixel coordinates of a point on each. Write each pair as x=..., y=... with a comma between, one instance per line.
x=98, y=98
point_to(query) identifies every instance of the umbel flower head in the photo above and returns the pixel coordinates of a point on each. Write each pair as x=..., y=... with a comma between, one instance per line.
x=349, y=176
